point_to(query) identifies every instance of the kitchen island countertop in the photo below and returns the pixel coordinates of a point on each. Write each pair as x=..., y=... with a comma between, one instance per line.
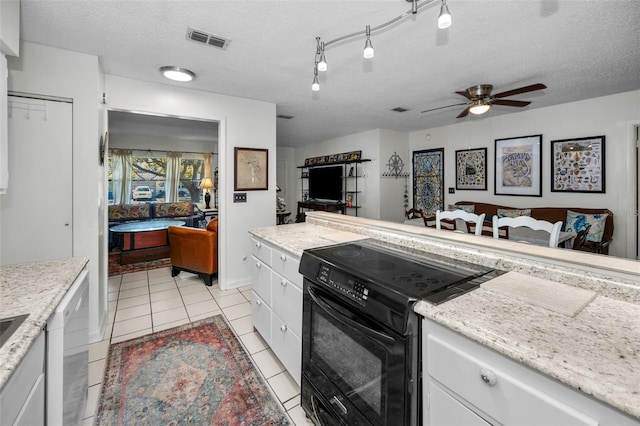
x=34, y=288
x=596, y=351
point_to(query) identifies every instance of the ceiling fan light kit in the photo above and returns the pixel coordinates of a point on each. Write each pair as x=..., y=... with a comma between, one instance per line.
x=479, y=107
x=320, y=64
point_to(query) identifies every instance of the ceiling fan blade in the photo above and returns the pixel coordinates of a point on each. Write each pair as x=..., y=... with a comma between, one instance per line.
x=525, y=89
x=507, y=102
x=464, y=113
x=448, y=106
x=465, y=94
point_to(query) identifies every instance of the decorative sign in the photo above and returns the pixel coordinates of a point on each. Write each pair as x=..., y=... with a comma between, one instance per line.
x=346, y=157
x=518, y=168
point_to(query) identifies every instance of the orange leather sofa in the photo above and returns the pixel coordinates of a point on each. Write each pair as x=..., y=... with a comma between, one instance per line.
x=195, y=250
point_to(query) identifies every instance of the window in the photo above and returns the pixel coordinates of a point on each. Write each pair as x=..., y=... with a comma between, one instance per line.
x=148, y=177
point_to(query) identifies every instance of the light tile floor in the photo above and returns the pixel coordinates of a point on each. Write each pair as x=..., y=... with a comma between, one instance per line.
x=149, y=301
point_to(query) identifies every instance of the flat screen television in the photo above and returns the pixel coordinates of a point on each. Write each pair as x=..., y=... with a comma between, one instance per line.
x=325, y=183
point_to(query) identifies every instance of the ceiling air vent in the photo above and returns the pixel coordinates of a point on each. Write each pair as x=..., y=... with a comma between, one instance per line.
x=207, y=38
x=399, y=109
x=286, y=117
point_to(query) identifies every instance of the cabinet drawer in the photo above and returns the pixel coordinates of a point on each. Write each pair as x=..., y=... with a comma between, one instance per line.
x=287, y=302
x=287, y=346
x=261, y=279
x=261, y=317
x=508, y=399
x=261, y=250
x=287, y=266
x=445, y=410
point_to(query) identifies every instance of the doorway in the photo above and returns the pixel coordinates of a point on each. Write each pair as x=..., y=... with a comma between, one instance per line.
x=151, y=139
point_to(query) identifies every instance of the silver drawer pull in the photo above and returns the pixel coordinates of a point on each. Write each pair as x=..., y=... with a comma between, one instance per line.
x=488, y=376
x=283, y=257
x=258, y=245
x=283, y=327
x=258, y=302
x=258, y=265
x=283, y=283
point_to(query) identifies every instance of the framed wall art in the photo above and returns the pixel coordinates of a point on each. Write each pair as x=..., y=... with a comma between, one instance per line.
x=577, y=165
x=518, y=168
x=471, y=169
x=428, y=180
x=251, y=171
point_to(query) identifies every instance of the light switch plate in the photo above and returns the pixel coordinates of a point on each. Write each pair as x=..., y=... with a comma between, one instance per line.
x=452, y=190
x=239, y=197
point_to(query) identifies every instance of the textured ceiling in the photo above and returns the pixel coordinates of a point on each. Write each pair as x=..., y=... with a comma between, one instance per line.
x=580, y=49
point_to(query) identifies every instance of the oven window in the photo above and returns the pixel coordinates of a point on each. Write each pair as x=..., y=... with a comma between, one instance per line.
x=353, y=362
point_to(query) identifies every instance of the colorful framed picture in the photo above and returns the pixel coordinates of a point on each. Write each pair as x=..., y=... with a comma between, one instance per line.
x=471, y=169
x=428, y=180
x=518, y=168
x=251, y=169
x=577, y=165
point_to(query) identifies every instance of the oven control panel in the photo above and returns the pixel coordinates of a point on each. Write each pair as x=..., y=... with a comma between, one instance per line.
x=345, y=284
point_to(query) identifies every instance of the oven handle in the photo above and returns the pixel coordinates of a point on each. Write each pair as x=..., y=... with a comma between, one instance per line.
x=347, y=321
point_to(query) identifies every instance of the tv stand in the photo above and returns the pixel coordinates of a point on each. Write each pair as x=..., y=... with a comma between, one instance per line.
x=325, y=206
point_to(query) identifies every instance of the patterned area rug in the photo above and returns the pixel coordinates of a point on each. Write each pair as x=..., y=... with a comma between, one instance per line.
x=115, y=268
x=196, y=374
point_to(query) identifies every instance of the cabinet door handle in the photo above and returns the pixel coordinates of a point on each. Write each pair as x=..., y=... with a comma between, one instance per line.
x=283, y=257
x=283, y=327
x=258, y=265
x=258, y=302
x=488, y=376
x=258, y=245
x=283, y=283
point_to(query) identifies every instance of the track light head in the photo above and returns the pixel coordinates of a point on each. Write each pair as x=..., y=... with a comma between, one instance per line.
x=368, y=47
x=444, y=20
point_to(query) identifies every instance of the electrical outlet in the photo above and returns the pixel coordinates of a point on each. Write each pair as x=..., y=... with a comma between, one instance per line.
x=452, y=190
x=239, y=197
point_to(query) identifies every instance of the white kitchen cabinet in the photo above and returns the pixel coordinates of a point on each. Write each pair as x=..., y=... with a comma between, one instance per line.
x=277, y=303
x=482, y=385
x=22, y=400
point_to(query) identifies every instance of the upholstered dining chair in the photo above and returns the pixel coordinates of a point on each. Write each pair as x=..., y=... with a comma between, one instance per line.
x=195, y=250
x=458, y=218
x=505, y=223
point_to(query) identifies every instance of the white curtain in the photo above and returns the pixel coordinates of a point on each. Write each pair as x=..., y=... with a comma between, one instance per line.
x=121, y=175
x=173, y=176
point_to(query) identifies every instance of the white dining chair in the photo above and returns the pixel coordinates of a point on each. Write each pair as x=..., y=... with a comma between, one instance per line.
x=527, y=221
x=455, y=216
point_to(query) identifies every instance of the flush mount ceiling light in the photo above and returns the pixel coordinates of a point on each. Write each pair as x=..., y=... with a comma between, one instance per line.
x=320, y=64
x=177, y=73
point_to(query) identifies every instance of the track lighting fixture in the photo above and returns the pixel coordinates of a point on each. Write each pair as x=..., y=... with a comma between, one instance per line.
x=368, y=47
x=444, y=20
x=320, y=64
x=315, y=86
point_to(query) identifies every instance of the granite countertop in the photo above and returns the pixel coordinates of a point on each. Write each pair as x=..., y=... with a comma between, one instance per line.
x=297, y=237
x=596, y=351
x=33, y=288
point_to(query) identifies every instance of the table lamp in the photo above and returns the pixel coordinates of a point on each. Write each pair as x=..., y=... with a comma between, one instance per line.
x=207, y=184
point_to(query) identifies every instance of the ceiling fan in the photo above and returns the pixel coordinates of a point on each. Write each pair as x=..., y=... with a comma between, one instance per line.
x=480, y=98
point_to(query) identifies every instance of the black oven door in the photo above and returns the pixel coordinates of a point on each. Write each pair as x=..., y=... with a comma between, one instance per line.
x=355, y=371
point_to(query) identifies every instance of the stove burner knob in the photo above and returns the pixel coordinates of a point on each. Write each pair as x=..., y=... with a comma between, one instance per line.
x=283, y=328
x=488, y=376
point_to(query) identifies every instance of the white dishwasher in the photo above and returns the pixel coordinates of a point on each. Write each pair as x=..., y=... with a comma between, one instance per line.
x=68, y=356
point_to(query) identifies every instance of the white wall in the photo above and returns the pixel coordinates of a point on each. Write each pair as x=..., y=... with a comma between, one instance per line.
x=243, y=123
x=369, y=143
x=610, y=116
x=392, y=190
x=48, y=71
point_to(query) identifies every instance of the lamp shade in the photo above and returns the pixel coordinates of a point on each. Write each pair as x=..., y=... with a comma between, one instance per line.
x=207, y=183
x=479, y=108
